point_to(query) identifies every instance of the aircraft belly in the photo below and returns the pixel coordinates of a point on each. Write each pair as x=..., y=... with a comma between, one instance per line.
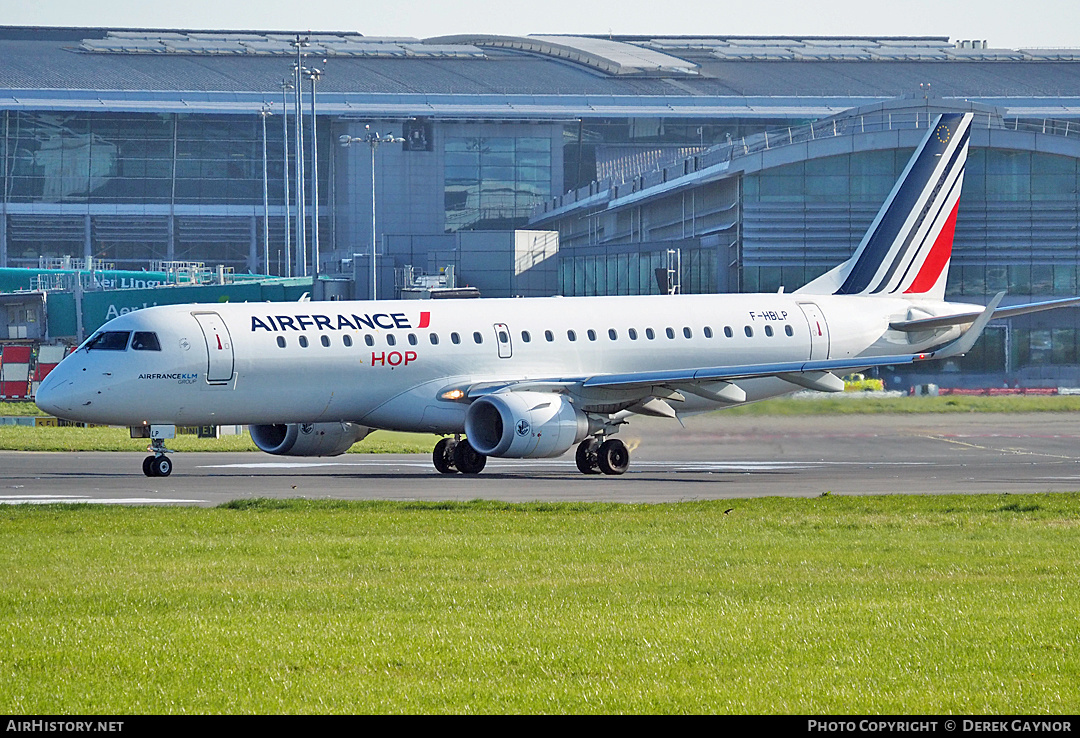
x=418, y=409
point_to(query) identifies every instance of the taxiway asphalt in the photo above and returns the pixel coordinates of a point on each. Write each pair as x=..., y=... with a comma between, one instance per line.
x=714, y=457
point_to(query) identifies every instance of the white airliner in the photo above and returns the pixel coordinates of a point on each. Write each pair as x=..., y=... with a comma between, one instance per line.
x=525, y=378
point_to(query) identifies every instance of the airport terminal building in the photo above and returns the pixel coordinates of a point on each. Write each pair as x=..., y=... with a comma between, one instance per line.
x=739, y=164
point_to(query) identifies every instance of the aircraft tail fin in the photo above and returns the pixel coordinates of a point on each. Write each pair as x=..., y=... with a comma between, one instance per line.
x=909, y=244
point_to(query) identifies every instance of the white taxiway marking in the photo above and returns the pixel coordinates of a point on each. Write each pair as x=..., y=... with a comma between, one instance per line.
x=708, y=466
x=74, y=499
x=294, y=465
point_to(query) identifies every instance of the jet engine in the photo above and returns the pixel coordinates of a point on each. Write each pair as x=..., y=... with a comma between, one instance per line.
x=524, y=424
x=307, y=439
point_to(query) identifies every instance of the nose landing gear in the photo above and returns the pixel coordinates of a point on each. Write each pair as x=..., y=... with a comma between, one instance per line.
x=157, y=465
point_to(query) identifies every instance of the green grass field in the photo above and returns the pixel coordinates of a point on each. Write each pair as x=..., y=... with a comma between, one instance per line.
x=25, y=438
x=875, y=605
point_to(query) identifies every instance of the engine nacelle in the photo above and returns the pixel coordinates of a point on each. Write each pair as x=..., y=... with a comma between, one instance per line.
x=524, y=424
x=307, y=439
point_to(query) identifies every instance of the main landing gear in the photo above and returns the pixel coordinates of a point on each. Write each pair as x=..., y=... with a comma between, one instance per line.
x=453, y=455
x=157, y=465
x=602, y=457
x=594, y=456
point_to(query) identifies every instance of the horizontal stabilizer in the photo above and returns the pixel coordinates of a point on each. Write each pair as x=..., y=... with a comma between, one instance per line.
x=946, y=321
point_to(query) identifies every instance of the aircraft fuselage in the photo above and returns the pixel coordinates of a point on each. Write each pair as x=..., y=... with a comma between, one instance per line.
x=386, y=364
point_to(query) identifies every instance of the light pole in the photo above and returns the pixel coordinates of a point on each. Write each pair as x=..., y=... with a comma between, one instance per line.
x=285, y=87
x=301, y=216
x=313, y=75
x=372, y=139
x=266, y=194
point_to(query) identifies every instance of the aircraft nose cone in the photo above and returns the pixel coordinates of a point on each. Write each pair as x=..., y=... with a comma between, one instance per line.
x=56, y=395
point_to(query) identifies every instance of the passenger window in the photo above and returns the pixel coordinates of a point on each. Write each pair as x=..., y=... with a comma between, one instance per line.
x=525, y=337
x=477, y=338
x=768, y=330
x=670, y=332
x=687, y=333
x=650, y=334
x=325, y=340
x=281, y=341
x=412, y=339
x=145, y=341
x=788, y=331
x=369, y=340
x=728, y=332
x=504, y=337
x=708, y=332
x=549, y=336
x=109, y=341
x=390, y=339
x=455, y=338
x=612, y=334
x=748, y=331
x=592, y=334
x=434, y=338
x=632, y=333
x=347, y=340
x=303, y=341
x=571, y=335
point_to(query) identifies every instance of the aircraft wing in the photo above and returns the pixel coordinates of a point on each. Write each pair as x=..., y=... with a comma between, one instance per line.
x=746, y=371
x=944, y=321
x=682, y=378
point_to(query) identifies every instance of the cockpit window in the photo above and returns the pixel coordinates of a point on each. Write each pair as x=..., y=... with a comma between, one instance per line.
x=109, y=341
x=145, y=341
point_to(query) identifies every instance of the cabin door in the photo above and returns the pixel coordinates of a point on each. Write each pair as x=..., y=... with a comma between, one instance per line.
x=819, y=330
x=219, y=350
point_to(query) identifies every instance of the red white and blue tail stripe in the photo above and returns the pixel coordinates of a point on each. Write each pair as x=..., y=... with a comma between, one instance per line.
x=908, y=246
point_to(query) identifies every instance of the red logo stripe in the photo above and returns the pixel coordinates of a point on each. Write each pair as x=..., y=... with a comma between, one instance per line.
x=937, y=258
x=425, y=320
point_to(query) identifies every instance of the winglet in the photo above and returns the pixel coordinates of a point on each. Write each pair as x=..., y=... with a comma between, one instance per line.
x=963, y=344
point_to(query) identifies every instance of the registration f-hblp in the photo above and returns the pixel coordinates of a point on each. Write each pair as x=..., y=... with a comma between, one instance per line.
x=526, y=378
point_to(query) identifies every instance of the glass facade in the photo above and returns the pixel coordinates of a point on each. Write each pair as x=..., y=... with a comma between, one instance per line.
x=584, y=141
x=1034, y=347
x=634, y=273
x=173, y=167
x=494, y=183
x=1017, y=230
x=133, y=158
x=863, y=177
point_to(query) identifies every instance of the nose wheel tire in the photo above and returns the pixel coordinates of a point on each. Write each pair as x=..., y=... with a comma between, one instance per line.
x=613, y=457
x=157, y=466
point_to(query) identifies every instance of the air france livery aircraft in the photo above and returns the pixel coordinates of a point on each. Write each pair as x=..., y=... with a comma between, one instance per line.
x=525, y=378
